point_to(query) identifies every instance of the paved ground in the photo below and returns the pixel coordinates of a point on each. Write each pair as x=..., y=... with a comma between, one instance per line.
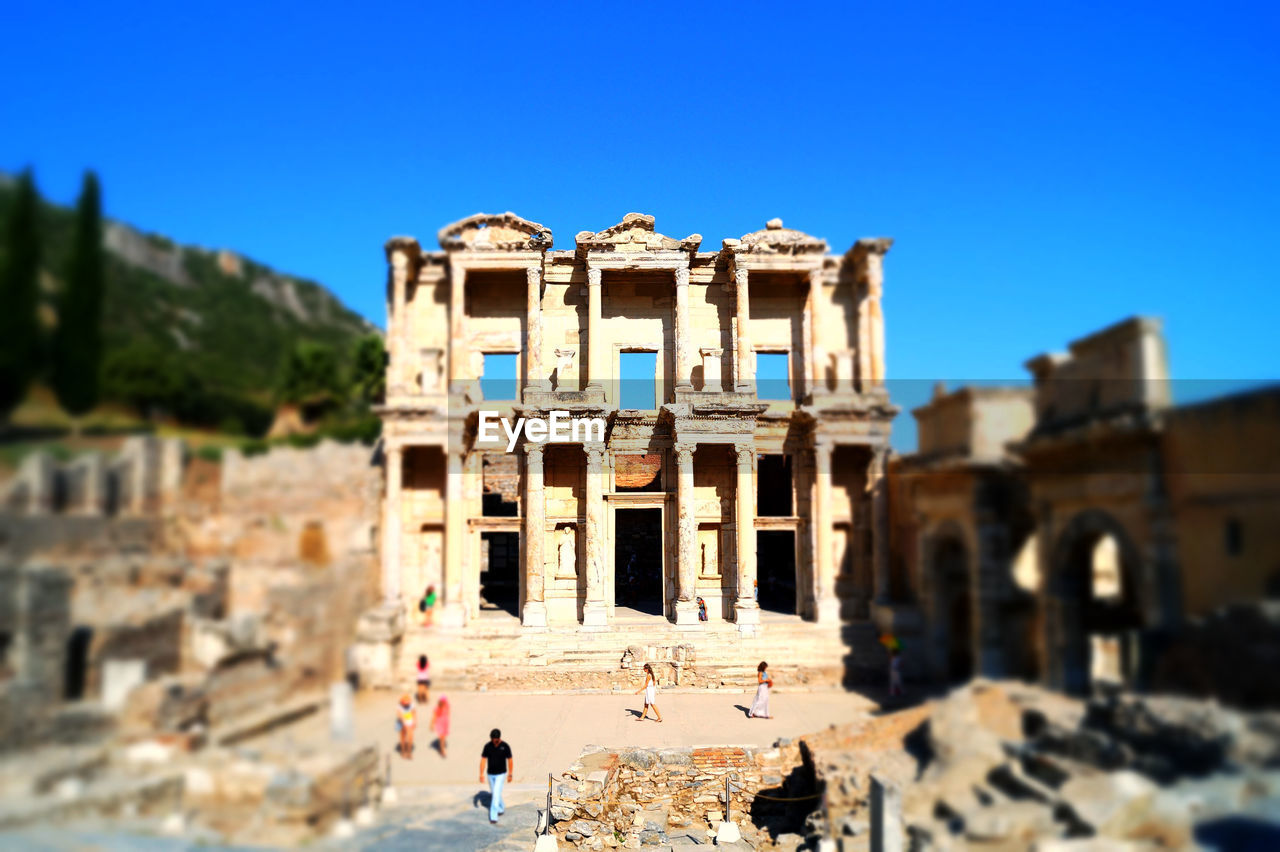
x=547, y=732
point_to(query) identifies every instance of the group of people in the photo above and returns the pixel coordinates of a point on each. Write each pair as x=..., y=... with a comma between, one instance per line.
x=759, y=705
x=407, y=713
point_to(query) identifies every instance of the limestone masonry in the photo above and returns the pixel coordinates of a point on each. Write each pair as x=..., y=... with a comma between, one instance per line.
x=748, y=425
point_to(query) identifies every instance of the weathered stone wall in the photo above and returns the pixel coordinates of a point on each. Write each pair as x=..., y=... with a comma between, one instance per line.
x=644, y=793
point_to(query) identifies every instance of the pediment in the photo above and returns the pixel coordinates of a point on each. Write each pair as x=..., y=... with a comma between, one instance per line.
x=775, y=239
x=495, y=232
x=635, y=233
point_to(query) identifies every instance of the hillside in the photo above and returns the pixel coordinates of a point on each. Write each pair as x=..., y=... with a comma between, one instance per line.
x=229, y=320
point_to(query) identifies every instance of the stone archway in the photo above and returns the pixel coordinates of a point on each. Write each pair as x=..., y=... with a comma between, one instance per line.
x=1094, y=613
x=950, y=602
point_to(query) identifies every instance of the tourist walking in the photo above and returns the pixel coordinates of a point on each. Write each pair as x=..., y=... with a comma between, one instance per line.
x=895, y=673
x=650, y=690
x=423, y=678
x=497, y=763
x=764, y=681
x=440, y=724
x=406, y=721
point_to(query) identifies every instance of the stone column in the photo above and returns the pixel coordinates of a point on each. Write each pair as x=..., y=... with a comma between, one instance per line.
x=533, y=378
x=686, y=536
x=595, y=326
x=746, y=379
x=879, y=488
x=451, y=612
x=991, y=567
x=457, y=327
x=534, y=613
x=746, y=610
x=870, y=254
x=393, y=457
x=828, y=605
x=814, y=352
x=595, y=613
x=806, y=349
x=683, y=331
x=396, y=322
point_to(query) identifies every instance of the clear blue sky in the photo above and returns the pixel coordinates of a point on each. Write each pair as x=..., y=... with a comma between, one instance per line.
x=1045, y=169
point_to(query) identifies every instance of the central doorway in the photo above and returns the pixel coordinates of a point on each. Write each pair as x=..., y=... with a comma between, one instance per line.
x=776, y=570
x=500, y=572
x=637, y=560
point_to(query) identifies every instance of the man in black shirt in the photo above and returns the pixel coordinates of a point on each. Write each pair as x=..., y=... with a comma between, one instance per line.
x=500, y=769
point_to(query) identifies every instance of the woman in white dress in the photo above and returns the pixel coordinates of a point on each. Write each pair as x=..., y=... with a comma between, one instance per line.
x=760, y=706
x=650, y=690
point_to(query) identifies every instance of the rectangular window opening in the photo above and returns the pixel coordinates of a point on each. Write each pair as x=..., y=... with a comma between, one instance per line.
x=498, y=376
x=773, y=379
x=638, y=380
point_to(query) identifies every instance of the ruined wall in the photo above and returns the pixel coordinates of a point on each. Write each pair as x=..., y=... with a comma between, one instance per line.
x=300, y=525
x=1222, y=466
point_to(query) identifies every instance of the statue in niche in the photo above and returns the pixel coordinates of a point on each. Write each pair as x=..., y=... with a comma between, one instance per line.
x=709, y=566
x=566, y=555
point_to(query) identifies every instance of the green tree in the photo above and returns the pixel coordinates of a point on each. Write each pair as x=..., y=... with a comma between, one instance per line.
x=311, y=375
x=77, y=342
x=19, y=297
x=369, y=369
x=141, y=375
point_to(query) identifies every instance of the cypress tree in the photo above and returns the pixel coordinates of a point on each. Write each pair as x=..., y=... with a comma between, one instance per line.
x=19, y=297
x=77, y=343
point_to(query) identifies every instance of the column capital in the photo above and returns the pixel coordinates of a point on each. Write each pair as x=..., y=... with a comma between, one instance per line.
x=682, y=276
x=533, y=274
x=594, y=276
x=684, y=450
x=740, y=277
x=595, y=453
x=533, y=451
x=746, y=452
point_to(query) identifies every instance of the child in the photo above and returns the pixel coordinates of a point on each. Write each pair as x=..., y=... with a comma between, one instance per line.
x=405, y=723
x=440, y=724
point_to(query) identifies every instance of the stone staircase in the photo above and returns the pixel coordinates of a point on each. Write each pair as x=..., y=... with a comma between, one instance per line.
x=495, y=652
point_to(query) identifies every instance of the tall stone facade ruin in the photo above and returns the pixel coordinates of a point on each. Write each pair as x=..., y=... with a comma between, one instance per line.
x=742, y=465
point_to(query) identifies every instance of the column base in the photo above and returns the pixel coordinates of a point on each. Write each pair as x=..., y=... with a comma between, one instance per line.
x=534, y=614
x=451, y=615
x=746, y=614
x=827, y=610
x=686, y=613
x=595, y=615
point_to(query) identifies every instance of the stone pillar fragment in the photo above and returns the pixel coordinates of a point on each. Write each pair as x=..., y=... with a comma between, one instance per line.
x=396, y=320
x=711, y=360
x=686, y=536
x=451, y=612
x=533, y=378
x=534, y=613
x=684, y=367
x=457, y=328
x=828, y=605
x=393, y=456
x=878, y=486
x=746, y=368
x=886, y=816
x=595, y=613
x=807, y=353
x=746, y=608
x=595, y=328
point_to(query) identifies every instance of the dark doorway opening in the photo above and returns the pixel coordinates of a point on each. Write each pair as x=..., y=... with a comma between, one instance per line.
x=637, y=560
x=500, y=572
x=954, y=609
x=774, y=489
x=776, y=570
x=77, y=669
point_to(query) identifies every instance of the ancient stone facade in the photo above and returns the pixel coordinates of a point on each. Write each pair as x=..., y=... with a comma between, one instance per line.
x=1069, y=531
x=712, y=494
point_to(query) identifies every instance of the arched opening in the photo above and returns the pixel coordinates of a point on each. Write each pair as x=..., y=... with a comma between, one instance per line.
x=1098, y=617
x=952, y=605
